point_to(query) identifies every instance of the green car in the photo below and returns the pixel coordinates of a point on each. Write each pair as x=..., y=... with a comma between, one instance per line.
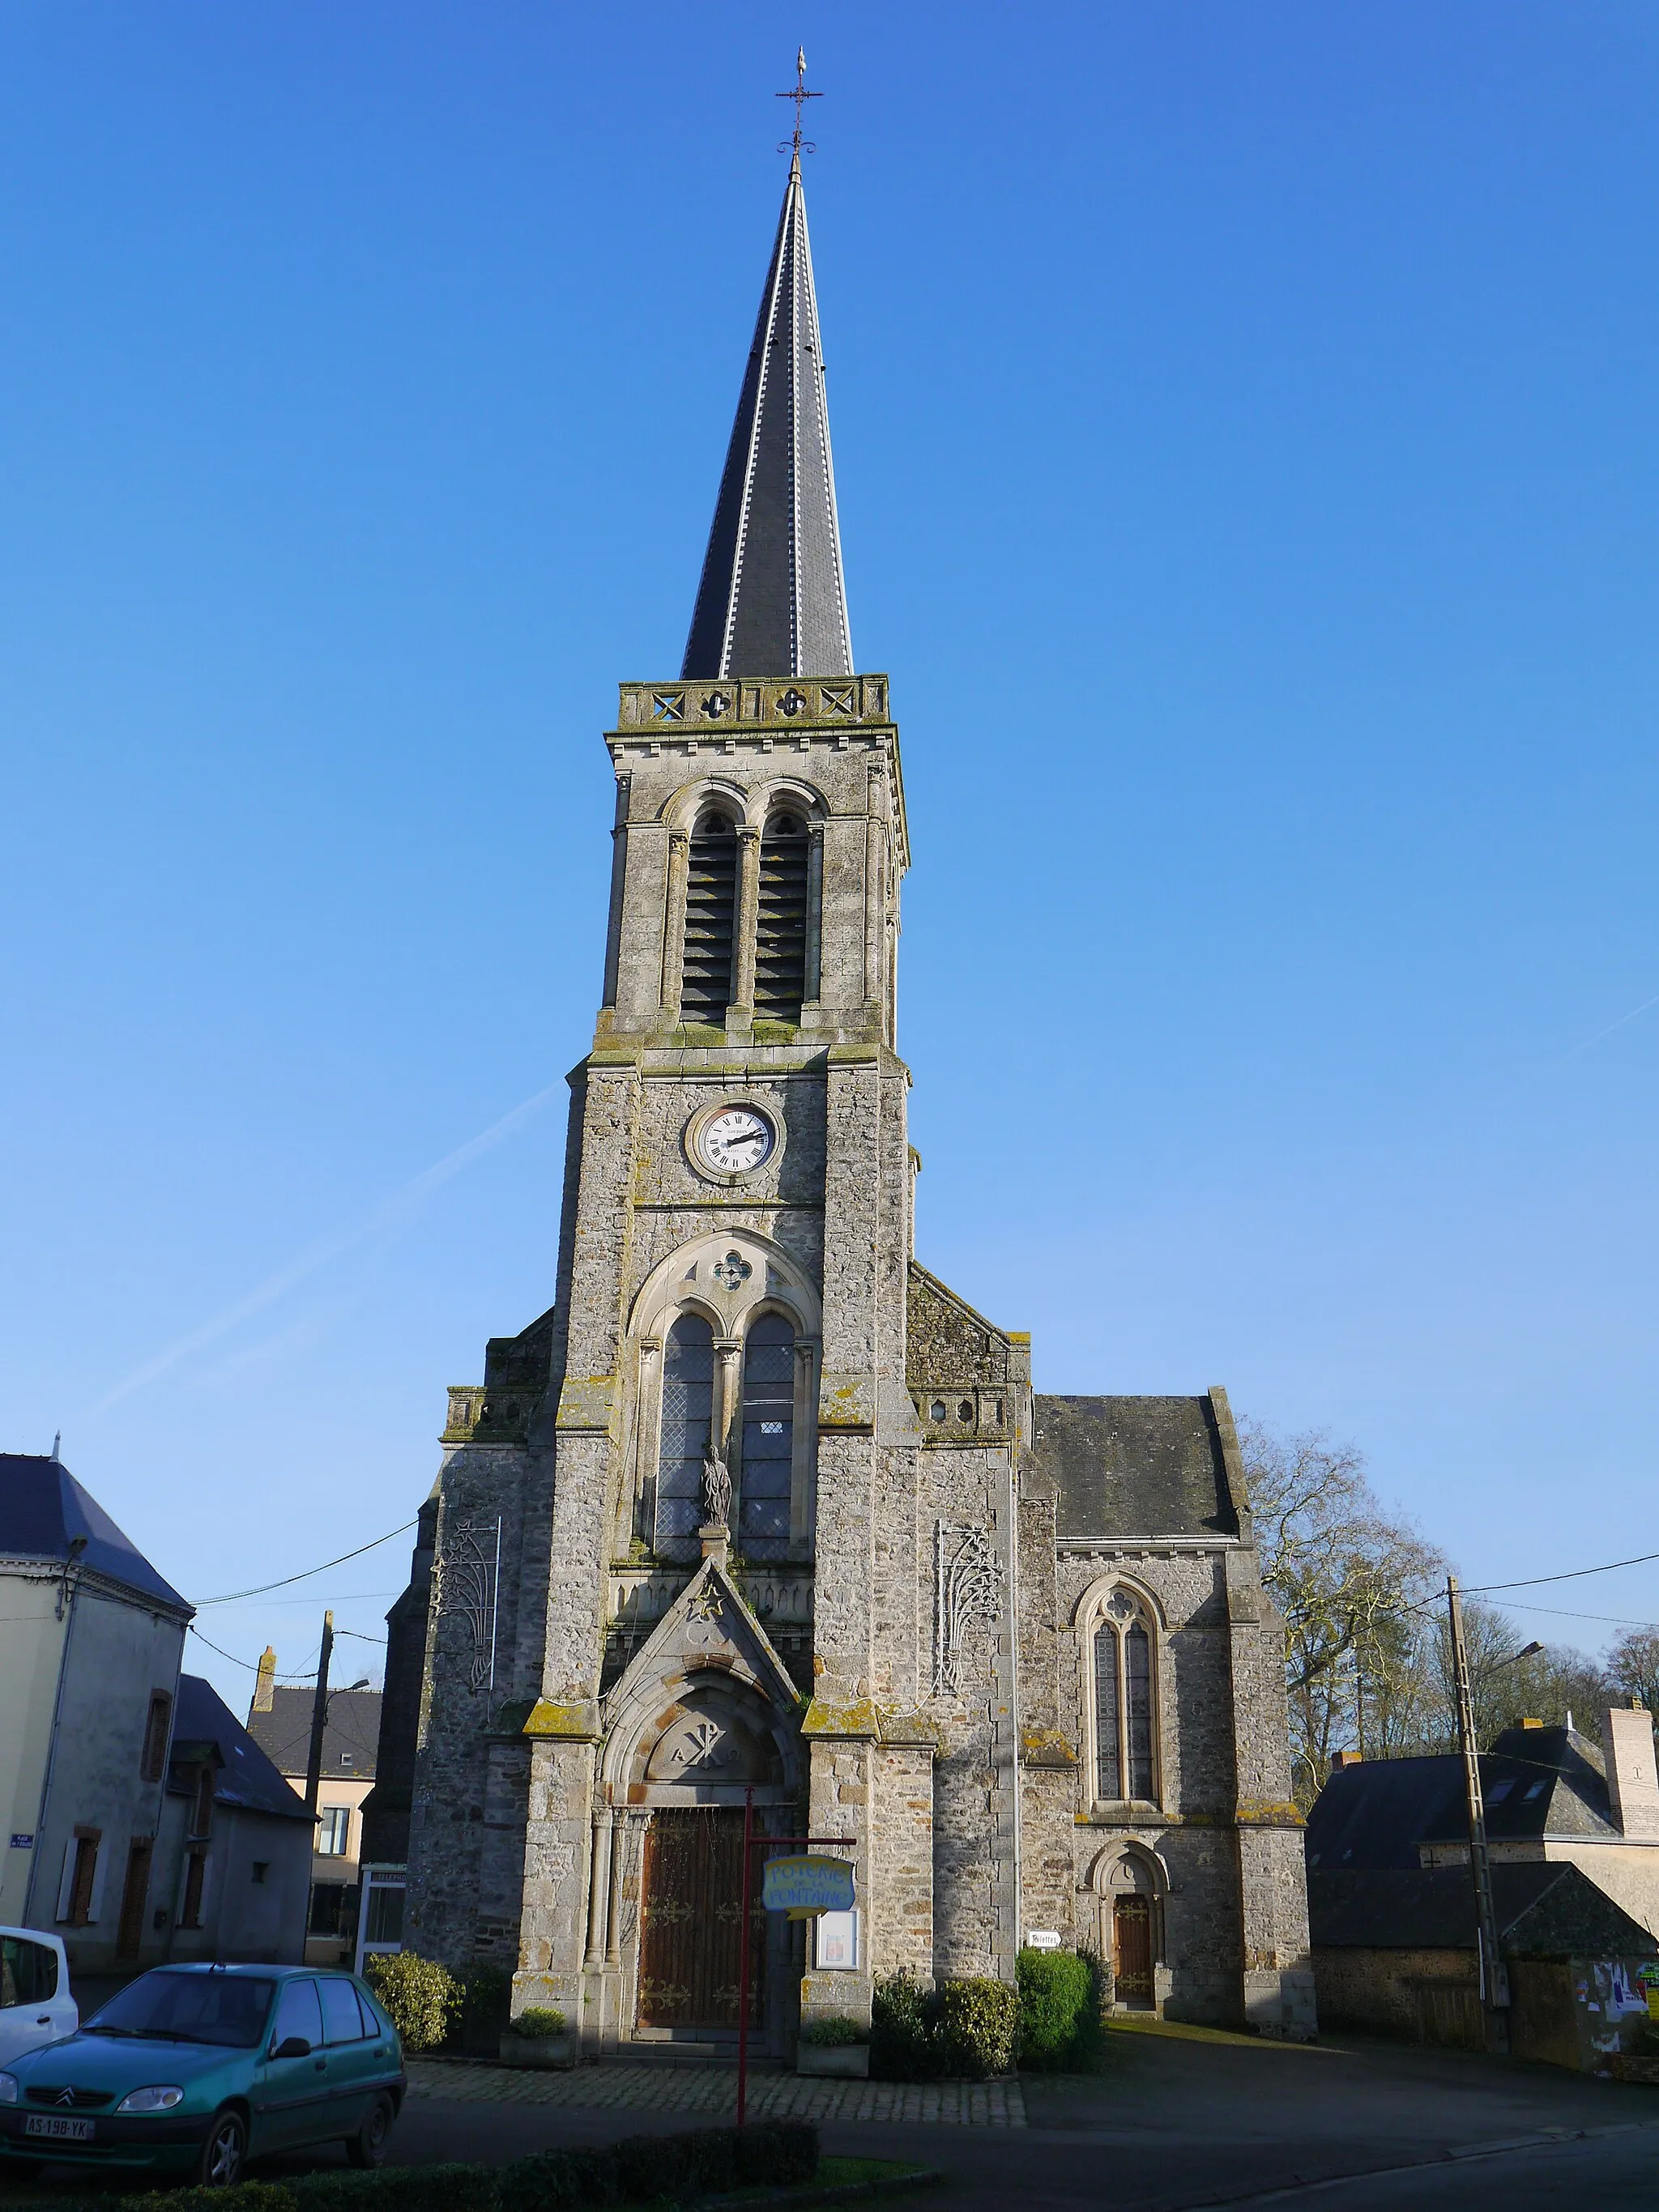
x=193, y=2070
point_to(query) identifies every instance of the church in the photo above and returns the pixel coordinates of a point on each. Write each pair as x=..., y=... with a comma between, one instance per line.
x=760, y=1513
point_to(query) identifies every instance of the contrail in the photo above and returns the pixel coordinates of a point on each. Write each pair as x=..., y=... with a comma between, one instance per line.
x=391, y=1211
x=1550, y=1065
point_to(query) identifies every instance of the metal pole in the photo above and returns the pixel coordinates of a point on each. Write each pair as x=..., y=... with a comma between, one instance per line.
x=1494, y=1981
x=743, y=1960
x=318, y=1718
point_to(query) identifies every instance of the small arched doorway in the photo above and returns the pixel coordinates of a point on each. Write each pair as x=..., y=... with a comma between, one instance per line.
x=1132, y=1950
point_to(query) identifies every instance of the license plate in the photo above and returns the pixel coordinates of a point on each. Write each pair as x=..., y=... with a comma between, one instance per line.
x=47, y=2123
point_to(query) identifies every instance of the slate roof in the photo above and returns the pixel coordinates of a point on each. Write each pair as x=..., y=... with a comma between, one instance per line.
x=772, y=601
x=1535, y=1782
x=350, y=1739
x=1544, y=1907
x=247, y=1780
x=1132, y=1466
x=43, y=1509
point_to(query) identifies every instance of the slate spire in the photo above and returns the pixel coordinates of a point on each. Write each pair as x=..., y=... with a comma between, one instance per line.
x=772, y=601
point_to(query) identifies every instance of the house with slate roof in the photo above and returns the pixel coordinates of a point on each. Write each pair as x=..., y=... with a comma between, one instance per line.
x=279, y=1722
x=142, y=1822
x=1573, y=1837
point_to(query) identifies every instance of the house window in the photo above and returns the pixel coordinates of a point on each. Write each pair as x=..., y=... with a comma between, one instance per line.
x=769, y=1430
x=156, y=1735
x=201, y=1816
x=1123, y=1701
x=261, y=1868
x=334, y=1830
x=710, y=902
x=780, y=921
x=79, y=1914
x=688, y=1405
x=190, y=1912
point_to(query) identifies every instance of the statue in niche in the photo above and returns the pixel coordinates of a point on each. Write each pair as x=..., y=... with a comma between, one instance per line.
x=716, y=1488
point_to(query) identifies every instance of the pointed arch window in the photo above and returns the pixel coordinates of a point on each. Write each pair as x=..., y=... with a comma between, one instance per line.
x=780, y=924
x=768, y=1438
x=688, y=1407
x=1124, y=1700
x=711, y=886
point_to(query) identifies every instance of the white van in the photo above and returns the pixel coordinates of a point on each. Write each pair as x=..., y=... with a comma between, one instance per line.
x=35, y=2004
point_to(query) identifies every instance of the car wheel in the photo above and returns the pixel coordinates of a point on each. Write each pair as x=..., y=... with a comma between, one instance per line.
x=368, y=2145
x=225, y=2152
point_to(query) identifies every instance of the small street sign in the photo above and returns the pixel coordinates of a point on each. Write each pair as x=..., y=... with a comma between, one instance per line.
x=807, y=1886
x=22, y=1843
x=1042, y=1939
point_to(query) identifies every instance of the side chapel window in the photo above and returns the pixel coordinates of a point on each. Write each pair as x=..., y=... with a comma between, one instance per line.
x=768, y=1429
x=688, y=1405
x=711, y=885
x=780, y=926
x=1123, y=1700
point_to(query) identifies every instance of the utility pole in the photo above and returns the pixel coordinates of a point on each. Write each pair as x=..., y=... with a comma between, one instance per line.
x=1494, y=1978
x=319, y=1717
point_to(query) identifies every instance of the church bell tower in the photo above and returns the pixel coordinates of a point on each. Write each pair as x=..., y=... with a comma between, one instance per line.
x=698, y=1471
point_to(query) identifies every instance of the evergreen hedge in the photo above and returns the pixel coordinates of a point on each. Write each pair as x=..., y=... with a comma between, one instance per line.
x=773, y=2154
x=1059, y=2011
x=963, y=2030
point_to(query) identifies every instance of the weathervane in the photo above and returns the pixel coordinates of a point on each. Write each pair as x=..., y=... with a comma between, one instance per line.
x=797, y=145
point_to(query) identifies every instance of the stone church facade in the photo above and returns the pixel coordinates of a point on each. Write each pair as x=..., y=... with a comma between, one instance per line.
x=759, y=1512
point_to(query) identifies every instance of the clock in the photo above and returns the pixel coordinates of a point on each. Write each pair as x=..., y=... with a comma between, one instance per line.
x=736, y=1140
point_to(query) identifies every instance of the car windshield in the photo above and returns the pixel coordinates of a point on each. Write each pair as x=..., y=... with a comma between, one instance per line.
x=228, y=2010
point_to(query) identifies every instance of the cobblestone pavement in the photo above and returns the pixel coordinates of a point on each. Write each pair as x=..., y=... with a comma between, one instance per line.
x=714, y=2090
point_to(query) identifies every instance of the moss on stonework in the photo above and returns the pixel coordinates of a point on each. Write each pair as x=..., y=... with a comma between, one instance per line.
x=549, y=1719
x=1046, y=1746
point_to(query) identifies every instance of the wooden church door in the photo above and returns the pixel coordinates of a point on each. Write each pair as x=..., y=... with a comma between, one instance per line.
x=1132, y=1950
x=693, y=1904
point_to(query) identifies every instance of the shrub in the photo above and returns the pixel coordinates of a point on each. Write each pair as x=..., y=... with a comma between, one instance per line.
x=835, y=2033
x=1058, y=2009
x=245, y=2196
x=538, y=2019
x=904, y=2046
x=772, y=2155
x=392, y=2188
x=966, y=2028
x=979, y=2026
x=421, y=1997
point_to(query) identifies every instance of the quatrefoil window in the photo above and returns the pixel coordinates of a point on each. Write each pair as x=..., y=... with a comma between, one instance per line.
x=793, y=702
x=732, y=1271
x=716, y=704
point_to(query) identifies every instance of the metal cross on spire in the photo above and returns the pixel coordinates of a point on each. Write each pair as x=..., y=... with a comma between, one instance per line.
x=797, y=145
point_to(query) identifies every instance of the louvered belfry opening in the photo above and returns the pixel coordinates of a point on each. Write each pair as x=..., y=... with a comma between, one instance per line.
x=710, y=899
x=781, y=927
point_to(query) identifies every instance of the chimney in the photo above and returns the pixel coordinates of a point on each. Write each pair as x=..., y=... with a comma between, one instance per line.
x=1345, y=1759
x=264, y=1687
x=1632, y=1782
x=1538, y=1724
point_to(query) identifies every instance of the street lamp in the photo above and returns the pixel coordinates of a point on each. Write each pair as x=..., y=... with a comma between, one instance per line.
x=1494, y=1980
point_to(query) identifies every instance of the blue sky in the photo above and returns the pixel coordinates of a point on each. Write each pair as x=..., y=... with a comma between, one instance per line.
x=1246, y=446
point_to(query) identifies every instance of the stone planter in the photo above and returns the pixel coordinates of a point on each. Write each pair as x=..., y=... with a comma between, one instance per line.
x=543, y=2050
x=838, y=2062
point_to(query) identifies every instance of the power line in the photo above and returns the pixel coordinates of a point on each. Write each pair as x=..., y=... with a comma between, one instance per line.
x=1573, y=1575
x=231, y=1597
x=251, y=1665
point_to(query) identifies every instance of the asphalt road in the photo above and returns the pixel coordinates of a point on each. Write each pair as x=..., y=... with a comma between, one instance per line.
x=1177, y=2123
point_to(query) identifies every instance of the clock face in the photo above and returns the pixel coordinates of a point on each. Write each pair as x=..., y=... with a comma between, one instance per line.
x=736, y=1140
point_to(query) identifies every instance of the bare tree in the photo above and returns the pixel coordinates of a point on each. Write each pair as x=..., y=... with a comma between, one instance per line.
x=1633, y=1665
x=1351, y=1580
